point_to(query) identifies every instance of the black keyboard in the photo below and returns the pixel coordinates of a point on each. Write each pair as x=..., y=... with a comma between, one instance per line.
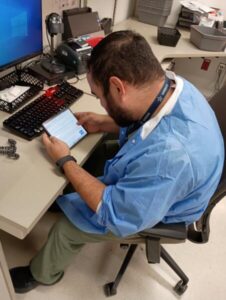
x=27, y=122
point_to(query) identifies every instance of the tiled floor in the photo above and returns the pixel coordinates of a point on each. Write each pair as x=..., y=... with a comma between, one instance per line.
x=97, y=264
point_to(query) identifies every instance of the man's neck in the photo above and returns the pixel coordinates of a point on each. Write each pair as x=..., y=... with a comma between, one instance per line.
x=145, y=96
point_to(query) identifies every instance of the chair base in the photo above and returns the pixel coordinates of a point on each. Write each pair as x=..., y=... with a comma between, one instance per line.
x=180, y=287
x=109, y=289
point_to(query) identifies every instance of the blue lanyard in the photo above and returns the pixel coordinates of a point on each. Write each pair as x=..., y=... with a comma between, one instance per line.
x=155, y=104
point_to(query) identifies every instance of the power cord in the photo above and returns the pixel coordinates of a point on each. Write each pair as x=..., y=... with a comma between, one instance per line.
x=219, y=80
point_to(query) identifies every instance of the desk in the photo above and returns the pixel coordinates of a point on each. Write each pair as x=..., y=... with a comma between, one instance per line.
x=30, y=185
x=184, y=47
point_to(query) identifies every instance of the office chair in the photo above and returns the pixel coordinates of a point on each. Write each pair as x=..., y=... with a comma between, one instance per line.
x=177, y=233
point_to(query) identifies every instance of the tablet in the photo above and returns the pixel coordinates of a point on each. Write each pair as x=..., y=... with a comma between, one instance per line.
x=65, y=127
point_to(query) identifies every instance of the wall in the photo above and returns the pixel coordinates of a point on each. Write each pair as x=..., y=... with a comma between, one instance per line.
x=105, y=8
x=49, y=6
x=125, y=9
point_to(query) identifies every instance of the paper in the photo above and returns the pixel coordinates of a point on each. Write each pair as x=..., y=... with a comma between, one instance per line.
x=12, y=93
x=197, y=6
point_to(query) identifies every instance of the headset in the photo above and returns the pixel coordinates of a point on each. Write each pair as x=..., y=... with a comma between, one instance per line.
x=54, y=24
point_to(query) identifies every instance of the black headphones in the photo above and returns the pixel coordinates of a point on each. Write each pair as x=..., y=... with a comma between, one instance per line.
x=54, y=24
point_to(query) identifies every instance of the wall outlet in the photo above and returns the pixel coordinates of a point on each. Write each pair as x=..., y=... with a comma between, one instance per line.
x=221, y=67
x=64, y=4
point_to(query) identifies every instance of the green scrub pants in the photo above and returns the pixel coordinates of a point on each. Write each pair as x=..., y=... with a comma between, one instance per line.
x=65, y=240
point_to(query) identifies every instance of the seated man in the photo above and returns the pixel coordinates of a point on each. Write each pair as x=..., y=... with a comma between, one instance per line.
x=168, y=166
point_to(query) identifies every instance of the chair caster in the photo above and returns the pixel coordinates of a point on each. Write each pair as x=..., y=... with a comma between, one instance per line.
x=109, y=289
x=180, y=287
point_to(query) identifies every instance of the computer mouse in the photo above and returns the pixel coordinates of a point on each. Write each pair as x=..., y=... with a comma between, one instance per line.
x=52, y=66
x=57, y=68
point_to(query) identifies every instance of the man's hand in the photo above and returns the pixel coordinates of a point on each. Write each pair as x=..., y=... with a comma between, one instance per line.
x=55, y=147
x=90, y=121
x=93, y=122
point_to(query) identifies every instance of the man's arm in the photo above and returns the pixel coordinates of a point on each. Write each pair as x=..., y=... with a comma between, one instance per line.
x=88, y=186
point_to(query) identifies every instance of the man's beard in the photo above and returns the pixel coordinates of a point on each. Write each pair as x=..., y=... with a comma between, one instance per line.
x=121, y=118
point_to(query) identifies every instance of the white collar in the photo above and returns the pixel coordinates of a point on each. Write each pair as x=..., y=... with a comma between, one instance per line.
x=166, y=109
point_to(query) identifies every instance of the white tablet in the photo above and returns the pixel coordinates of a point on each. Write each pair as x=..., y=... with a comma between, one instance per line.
x=64, y=126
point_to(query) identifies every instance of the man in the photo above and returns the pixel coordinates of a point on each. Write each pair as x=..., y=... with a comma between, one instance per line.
x=168, y=166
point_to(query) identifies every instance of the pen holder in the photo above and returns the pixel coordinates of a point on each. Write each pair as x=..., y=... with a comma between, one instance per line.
x=168, y=36
x=23, y=78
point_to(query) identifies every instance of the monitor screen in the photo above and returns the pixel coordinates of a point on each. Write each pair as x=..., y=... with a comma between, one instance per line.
x=20, y=31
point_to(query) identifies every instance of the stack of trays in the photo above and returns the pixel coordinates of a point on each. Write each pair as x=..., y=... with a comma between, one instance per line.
x=188, y=17
x=153, y=12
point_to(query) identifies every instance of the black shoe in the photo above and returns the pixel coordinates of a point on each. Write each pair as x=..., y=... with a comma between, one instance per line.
x=22, y=279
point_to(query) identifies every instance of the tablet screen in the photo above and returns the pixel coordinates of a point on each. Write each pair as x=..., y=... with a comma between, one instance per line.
x=64, y=126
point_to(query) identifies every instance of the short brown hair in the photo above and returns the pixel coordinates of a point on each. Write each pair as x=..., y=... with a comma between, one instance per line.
x=124, y=54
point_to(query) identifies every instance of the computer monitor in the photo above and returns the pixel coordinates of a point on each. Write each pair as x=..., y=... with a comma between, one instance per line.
x=20, y=31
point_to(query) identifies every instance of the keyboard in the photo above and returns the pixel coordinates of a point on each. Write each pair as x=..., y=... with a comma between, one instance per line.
x=27, y=122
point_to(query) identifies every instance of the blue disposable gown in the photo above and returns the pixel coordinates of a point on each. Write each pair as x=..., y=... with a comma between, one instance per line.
x=168, y=176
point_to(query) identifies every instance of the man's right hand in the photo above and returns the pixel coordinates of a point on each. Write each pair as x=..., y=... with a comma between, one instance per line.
x=93, y=122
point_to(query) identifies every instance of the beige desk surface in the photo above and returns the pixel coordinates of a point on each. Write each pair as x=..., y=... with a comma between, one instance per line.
x=184, y=47
x=28, y=186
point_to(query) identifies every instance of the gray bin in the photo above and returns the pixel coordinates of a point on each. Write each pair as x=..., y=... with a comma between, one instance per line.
x=162, y=4
x=153, y=19
x=207, y=38
x=153, y=11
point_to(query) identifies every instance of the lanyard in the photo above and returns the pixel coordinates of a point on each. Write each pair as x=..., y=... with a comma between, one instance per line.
x=155, y=104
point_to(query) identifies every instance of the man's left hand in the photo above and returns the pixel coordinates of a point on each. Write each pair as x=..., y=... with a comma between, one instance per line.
x=55, y=147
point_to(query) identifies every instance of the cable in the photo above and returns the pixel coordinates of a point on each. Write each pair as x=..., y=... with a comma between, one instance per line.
x=82, y=78
x=219, y=81
x=89, y=94
x=114, y=12
x=47, y=36
x=77, y=80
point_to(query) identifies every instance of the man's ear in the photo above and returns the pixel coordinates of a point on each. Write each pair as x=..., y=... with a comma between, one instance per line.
x=116, y=86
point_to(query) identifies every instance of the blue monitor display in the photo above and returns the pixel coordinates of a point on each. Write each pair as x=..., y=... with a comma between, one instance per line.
x=20, y=31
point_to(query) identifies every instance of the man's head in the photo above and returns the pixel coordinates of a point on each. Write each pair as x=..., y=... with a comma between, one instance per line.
x=122, y=58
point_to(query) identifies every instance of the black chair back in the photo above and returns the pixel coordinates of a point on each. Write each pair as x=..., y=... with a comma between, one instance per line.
x=199, y=232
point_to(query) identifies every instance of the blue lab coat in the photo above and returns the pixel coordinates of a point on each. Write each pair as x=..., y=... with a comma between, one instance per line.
x=166, y=172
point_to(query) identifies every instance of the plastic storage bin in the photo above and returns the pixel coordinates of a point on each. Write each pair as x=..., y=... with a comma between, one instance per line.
x=153, y=19
x=162, y=4
x=168, y=36
x=153, y=12
x=207, y=38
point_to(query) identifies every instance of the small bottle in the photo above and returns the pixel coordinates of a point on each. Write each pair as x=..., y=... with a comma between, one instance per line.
x=220, y=21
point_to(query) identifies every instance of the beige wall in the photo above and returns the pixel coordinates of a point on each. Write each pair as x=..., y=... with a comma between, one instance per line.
x=104, y=8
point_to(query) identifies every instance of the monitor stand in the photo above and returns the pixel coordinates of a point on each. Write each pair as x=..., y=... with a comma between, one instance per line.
x=50, y=78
